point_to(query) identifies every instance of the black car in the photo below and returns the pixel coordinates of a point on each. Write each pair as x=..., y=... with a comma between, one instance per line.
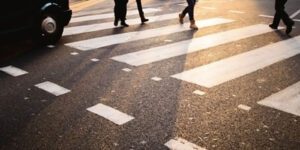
x=44, y=20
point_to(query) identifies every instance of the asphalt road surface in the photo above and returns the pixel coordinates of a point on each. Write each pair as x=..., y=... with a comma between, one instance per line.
x=233, y=84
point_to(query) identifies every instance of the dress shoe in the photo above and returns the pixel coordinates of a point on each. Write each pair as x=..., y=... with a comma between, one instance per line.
x=289, y=28
x=273, y=27
x=116, y=22
x=144, y=20
x=124, y=24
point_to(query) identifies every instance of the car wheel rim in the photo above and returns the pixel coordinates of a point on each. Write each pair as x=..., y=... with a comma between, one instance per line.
x=49, y=25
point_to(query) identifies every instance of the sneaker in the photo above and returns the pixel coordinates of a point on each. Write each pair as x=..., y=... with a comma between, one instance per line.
x=289, y=28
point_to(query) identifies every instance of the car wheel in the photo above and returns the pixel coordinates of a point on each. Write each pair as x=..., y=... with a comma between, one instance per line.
x=49, y=29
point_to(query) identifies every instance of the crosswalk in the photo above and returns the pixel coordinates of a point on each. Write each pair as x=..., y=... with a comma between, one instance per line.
x=207, y=76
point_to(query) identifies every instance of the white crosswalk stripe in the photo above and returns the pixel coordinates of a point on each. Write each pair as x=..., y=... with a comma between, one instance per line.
x=109, y=25
x=52, y=88
x=236, y=66
x=13, y=71
x=111, y=114
x=287, y=100
x=111, y=15
x=182, y=144
x=94, y=43
x=185, y=47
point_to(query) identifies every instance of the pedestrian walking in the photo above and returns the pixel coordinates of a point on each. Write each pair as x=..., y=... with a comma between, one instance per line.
x=140, y=8
x=281, y=14
x=190, y=10
x=120, y=12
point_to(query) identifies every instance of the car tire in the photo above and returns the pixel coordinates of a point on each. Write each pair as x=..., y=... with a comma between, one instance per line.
x=49, y=29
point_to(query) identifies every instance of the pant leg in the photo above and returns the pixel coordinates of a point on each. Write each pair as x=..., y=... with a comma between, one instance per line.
x=117, y=10
x=140, y=8
x=190, y=8
x=123, y=9
x=284, y=16
x=281, y=14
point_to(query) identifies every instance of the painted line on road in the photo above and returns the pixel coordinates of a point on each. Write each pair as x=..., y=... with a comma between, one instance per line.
x=236, y=12
x=298, y=20
x=74, y=53
x=295, y=14
x=266, y=16
x=94, y=60
x=52, y=88
x=215, y=73
x=157, y=79
x=182, y=144
x=126, y=69
x=84, y=4
x=111, y=15
x=198, y=92
x=94, y=43
x=189, y=46
x=110, y=114
x=109, y=25
x=287, y=100
x=244, y=107
x=13, y=71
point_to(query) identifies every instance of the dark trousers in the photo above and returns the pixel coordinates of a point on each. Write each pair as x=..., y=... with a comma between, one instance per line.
x=281, y=14
x=120, y=9
x=140, y=8
x=189, y=9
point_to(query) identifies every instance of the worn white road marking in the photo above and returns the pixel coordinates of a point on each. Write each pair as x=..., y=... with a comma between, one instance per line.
x=109, y=25
x=51, y=46
x=111, y=15
x=111, y=114
x=298, y=20
x=183, y=4
x=182, y=144
x=94, y=43
x=287, y=100
x=94, y=59
x=52, y=88
x=189, y=46
x=168, y=41
x=126, y=69
x=156, y=79
x=92, y=12
x=295, y=14
x=266, y=16
x=236, y=12
x=239, y=65
x=244, y=107
x=74, y=53
x=198, y=92
x=13, y=71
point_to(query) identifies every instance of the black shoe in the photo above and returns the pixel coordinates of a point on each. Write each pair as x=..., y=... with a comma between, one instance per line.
x=116, y=22
x=144, y=20
x=124, y=24
x=273, y=27
x=289, y=28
